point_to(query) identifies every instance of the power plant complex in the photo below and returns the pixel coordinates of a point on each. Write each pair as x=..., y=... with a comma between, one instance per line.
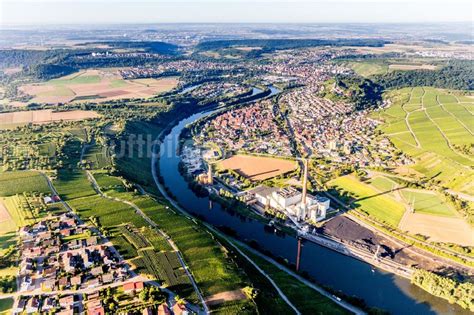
x=292, y=201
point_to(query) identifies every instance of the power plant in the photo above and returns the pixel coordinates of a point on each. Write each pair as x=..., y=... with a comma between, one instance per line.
x=290, y=200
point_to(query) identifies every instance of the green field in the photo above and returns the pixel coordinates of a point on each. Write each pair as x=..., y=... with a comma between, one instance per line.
x=80, y=78
x=7, y=239
x=109, y=212
x=12, y=183
x=369, y=200
x=440, y=126
x=96, y=157
x=304, y=298
x=6, y=306
x=213, y=270
x=20, y=211
x=368, y=68
x=429, y=203
x=73, y=184
x=106, y=181
x=383, y=183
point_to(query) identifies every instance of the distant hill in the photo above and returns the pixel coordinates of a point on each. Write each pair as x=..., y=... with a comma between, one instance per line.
x=278, y=44
x=147, y=46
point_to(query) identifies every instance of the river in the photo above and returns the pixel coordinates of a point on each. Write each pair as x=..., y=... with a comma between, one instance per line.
x=353, y=277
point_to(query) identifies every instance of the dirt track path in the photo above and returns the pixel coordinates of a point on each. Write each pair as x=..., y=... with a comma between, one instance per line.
x=345, y=305
x=153, y=224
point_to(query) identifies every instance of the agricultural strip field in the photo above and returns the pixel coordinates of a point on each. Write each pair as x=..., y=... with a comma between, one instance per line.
x=257, y=168
x=95, y=85
x=73, y=184
x=96, y=157
x=12, y=183
x=211, y=267
x=20, y=210
x=43, y=116
x=109, y=212
x=369, y=200
x=157, y=260
x=165, y=266
x=431, y=125
x=213, y=271
x=424, y=201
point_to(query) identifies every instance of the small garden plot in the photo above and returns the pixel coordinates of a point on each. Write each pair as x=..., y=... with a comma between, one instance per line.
x=157, y=240
x=165, y=266
x=107, y=182
x=134, y=236
x=96, y=157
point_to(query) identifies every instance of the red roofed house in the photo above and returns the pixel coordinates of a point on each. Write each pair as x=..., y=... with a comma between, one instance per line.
x=132, y=286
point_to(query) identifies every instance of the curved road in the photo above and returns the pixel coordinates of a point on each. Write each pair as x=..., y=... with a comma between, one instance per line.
x=154, y=225
x=231, y=241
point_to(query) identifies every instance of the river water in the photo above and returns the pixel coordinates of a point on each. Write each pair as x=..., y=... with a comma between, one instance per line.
x=351, y=276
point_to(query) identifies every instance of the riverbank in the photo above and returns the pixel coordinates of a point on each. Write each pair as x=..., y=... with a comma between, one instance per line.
x=324, y=265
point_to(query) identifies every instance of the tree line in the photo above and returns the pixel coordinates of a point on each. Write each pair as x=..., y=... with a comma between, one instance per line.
x=457, y=75
x=460, y=293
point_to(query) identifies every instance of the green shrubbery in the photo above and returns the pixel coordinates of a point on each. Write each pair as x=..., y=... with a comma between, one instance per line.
x=448, y=289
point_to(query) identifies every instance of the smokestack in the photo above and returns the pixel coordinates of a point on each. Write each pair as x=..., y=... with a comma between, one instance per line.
x=305, y=181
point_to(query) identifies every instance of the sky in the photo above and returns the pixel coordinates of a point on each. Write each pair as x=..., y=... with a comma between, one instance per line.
x=31, y=12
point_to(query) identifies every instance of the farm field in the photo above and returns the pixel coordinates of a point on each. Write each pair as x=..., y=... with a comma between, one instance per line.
x=73, y=184
x=109, y=212
x=213, y=270
x=428, y=202
x=6, y=306
x=438, y=228
x=44, y=116
x=433, y=216
x=369, y=200
x=6, y=240
x=96, y=157
x=7, y=224
x=257, y=168
x=424, y=201
x=95, y=85
x=12, y=183
x=431, y=125
x=411, y=67
x=368, y=68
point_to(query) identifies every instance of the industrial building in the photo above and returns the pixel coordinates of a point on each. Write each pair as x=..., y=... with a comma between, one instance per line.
x=290, y=200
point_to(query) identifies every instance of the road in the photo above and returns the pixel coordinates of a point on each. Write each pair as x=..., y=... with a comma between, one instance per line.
x=347, y=306
x=167, y=238
x=408, y=247
x=232, y=241
x=135, y=277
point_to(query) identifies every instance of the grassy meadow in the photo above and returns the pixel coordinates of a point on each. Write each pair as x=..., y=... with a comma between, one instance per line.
x=369, y=200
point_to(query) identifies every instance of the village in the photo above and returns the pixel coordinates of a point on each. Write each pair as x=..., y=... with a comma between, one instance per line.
x=68, y=267
x=251, y=129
